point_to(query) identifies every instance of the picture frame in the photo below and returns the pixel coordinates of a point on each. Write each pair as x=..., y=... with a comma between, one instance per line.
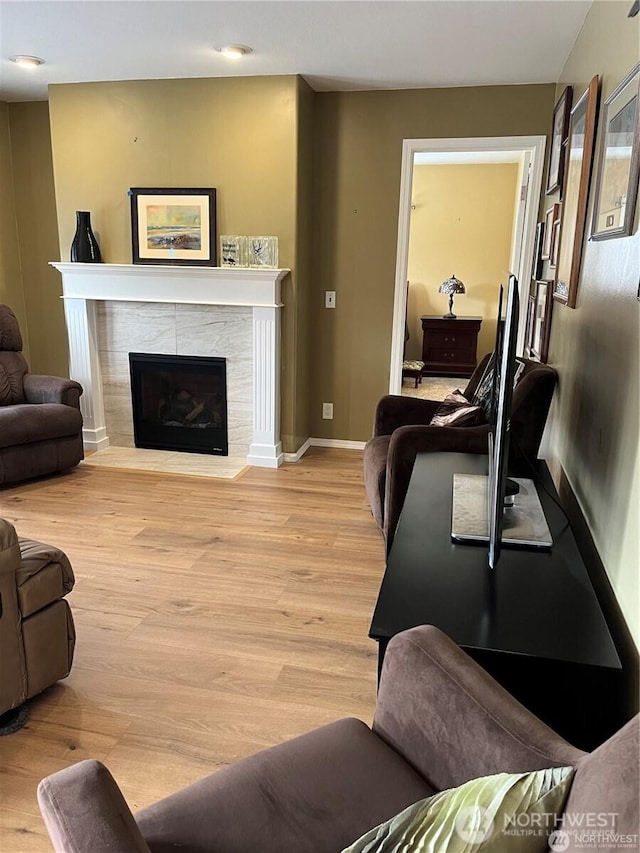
x=618, y=161
x=579, y=158
x=173, y=226
x=555, y=242
x=551, y=216
x=528, y=335
x=559, y=133
x=541, y=323
x=536, y=272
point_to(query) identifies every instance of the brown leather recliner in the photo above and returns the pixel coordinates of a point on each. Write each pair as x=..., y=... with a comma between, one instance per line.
x=37, y=635
x=40, y=420
x=401, y=430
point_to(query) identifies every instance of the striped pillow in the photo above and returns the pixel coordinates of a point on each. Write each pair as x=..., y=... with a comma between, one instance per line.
x=457, y=411
x=506, y=812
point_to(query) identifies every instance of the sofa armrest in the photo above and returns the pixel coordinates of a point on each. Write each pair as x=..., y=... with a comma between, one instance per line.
x=394, y=411
x=84, y=812
x=52, y=389
x=453, y=722
x=406, y=442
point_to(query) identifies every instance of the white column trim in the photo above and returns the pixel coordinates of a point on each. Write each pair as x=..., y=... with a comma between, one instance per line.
x=266, y=447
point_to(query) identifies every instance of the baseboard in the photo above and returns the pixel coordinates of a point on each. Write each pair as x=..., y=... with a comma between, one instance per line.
x=620, y=634
x=323, y=442
x=338, y=443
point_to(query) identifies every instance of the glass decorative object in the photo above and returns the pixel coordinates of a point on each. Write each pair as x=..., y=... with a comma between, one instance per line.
x=262, y=252
x=232, y=251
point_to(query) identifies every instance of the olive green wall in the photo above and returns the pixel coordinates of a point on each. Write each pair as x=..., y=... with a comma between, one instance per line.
x=462, y=223
x=239, y=135
x=11, y=292
x=594, y=432
x=304, y=234
x=38, y=237
x=358, y=160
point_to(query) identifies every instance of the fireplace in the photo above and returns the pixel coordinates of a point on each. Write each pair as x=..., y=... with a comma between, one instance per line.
x=179, y=402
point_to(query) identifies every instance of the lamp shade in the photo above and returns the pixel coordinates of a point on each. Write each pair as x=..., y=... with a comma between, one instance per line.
x=452, y=285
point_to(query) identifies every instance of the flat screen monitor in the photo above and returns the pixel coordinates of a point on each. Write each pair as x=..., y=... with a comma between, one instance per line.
x=496, y=509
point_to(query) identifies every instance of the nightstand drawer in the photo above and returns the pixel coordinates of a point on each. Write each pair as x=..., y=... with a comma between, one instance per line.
x=452, y=340
x=451, y=356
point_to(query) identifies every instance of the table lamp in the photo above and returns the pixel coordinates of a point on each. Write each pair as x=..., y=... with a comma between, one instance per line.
x=450, y=286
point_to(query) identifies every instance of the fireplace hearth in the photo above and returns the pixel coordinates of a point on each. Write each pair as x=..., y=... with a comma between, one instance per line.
x=179, y=403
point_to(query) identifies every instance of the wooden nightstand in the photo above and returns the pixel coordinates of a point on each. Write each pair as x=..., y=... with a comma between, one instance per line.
x=449, y=346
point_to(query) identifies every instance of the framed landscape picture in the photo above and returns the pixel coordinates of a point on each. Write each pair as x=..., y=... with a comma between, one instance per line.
x=582, y=128
x=558, y=137
x=173, y=226
x=619, y=162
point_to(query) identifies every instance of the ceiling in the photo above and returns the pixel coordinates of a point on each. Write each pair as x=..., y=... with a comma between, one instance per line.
x=353, y=44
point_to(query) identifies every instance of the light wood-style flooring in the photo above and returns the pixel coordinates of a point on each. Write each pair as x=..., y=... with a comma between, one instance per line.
x=214, y=618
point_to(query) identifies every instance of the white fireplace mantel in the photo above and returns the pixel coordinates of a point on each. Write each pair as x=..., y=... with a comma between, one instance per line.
x=85, y=284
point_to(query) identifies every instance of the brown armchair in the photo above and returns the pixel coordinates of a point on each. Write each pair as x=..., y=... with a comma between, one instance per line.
x=440, y=720
x=40, y=420
x=37, y=637
x=401, y=430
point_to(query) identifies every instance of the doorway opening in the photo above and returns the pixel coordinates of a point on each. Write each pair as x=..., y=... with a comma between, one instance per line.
x=468, y=208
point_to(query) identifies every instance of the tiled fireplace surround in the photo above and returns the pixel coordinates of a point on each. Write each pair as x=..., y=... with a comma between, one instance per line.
x=114, y=309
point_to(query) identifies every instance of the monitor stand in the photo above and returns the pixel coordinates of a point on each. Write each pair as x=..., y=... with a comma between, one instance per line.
x=524, y=522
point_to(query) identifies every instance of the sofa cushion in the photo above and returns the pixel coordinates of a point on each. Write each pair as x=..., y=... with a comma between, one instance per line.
x=44, y=576
x=505, y=811
x=313, y=794
x=25, y=423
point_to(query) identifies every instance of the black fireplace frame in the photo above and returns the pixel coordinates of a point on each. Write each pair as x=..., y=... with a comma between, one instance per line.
x=150, y=432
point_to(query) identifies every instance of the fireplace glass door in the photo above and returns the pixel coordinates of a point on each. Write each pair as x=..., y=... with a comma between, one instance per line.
x=179, y=403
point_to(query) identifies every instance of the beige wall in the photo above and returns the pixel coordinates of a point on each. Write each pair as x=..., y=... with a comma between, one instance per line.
x=11, y=292
x=461, y=223
x=38, y=237
x=358, y=159
x=239, y=135
x=595, y=429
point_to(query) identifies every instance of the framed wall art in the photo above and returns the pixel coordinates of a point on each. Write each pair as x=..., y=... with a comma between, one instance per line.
x=537, y=251
x=619, y=161
x=582, y=126
x=551, y=216
x=561, y=113
x=528, y=335
x=541, y=324
x=173, y=226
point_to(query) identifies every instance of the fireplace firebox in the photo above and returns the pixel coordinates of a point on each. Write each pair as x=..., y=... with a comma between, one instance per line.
x=179, y=402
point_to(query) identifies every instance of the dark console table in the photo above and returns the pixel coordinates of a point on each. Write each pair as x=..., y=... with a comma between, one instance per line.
x=449, y=346
x=534, y=622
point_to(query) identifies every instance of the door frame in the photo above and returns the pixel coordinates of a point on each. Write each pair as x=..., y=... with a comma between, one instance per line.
x=535, y=146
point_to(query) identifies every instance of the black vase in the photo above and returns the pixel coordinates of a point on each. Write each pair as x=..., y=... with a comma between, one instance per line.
x=84, y=247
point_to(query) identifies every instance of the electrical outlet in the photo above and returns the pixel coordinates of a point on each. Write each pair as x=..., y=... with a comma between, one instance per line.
x=327, y=411
x=329, y=299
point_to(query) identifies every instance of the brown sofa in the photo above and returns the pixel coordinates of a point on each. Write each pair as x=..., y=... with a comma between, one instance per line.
x=40, y=420
x=37, y=636
x=401, y=430
x=440, y=720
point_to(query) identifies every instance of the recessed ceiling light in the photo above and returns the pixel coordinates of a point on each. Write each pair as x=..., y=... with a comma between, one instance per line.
x=27, y=61
x=235, y=51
